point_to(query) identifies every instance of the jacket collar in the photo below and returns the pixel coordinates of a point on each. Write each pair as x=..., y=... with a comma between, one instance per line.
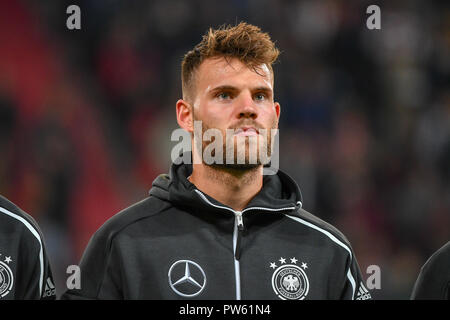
x=280, y=193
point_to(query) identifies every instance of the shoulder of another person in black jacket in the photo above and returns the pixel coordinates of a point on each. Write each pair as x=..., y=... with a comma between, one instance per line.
x=16, y=222
x=23, y=248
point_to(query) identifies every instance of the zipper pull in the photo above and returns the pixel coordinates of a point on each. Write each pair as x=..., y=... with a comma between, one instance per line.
x=240, y=228
x=240, y=221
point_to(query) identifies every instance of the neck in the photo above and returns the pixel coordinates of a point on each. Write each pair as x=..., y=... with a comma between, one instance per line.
x=232, y=187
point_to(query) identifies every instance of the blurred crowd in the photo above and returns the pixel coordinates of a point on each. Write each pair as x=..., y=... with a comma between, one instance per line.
x=86, y=116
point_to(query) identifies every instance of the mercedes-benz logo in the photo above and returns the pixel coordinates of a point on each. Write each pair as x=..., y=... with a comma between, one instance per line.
x=190, y=278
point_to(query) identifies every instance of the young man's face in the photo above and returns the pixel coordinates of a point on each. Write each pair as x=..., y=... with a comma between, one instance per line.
x=229, y=95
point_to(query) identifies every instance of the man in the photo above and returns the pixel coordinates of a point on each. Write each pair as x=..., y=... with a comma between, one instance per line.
x=433, y=281
x=222, y=230
x=24, y=267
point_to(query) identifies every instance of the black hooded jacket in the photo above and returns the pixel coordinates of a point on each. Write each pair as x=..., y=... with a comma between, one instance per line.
x=179, y=243
x=433, y=282
x=25, y=271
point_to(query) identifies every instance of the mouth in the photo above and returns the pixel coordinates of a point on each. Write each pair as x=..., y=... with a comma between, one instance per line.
x=246, y=131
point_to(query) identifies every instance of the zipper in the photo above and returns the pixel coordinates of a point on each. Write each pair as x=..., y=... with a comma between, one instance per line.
x=237, y=234
x=238, y=226
x=239, y=230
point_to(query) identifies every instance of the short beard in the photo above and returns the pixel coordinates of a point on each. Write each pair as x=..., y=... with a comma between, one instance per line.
x=229, y=141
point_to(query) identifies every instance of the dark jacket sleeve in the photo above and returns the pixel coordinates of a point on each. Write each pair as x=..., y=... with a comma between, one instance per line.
x=38, y=281
x=99, y=271
x=354, y=288
x=25, y=271
x=433, y=281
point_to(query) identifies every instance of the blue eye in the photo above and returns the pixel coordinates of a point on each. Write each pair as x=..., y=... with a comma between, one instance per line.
x=260, y=96
x=224, y=95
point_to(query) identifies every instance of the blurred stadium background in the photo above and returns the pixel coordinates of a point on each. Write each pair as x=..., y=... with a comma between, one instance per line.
x=86, y=116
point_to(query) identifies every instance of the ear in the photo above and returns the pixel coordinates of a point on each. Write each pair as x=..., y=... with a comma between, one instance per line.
x=277, y=110
x=184, y=115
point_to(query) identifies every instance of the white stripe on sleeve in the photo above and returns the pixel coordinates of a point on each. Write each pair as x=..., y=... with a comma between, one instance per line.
x=36, y=234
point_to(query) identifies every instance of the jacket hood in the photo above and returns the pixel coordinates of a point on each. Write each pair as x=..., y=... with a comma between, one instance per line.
x=279, y=191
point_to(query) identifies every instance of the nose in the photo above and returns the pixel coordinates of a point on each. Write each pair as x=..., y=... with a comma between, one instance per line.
x=247, y=108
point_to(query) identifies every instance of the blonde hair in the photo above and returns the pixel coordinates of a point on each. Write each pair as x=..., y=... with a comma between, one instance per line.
x=244, y=41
